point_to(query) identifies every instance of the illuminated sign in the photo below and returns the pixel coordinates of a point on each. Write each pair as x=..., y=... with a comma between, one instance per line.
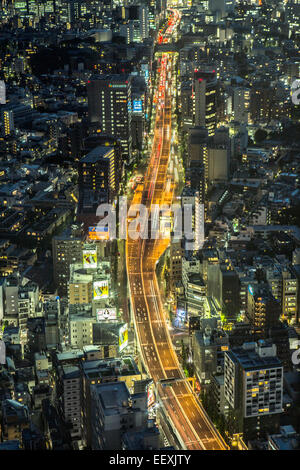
x=137, y=106
x=104, y=314
x=235, y=225
x=123, y=337
x=250, y=289
x=116, y=85
x=181, y=314
x=100, y=290
x=89, y=258
x=151, y=396
x=98, y=233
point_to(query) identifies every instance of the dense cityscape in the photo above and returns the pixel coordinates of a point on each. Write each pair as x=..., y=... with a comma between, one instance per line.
x=150, y=226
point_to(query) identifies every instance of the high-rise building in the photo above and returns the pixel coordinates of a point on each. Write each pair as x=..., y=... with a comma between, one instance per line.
x=144, y=21
x=81, y=329
x=263, y=310
x=253, y=387
x=212, y=152
x=222, y=7
x=96, y=183
x=109, y=102
x=218, y=164
x=89, y=280
x=208, y=346
x=290, y=295
x=74, y=8
x=241, y=104
x=80, y=285
x=105, y=140
x=186, y=103
x=296, y=256
x=205, y=94
x=195, y=295
x=68, y=390
x=268, y=102
x=193, y=207
x=97, y=175
x=8, y=122
x=66, y=249
x=197, y=145
x=10, y=299
x=176, y=253
x=224, y=287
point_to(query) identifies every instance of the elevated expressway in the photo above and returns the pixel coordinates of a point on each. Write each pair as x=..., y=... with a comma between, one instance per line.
x=182, y=415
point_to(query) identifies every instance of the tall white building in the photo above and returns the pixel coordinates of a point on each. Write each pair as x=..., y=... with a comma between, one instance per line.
x=144, y=22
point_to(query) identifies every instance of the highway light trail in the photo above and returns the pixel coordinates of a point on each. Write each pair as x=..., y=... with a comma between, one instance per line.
x=186, y=415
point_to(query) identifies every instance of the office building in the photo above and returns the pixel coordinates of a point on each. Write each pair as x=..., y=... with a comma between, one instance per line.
x=176, y=253
x=109, y=102
x=192, y=203
x=88, y=282
x=286, y=439
x=241, y=104
x=14, y=419
x=205, y=94
x=81, y=329
x=218, y=164
x=224, y=287
x=115, y=411
x=96, y=178
x=8, y=122
x=96, y=369
x=197, y=145
x=253, y=381
x=68, y=394
x=66, y=250
x=100, y=139
x=195, y=295
x=144, y=22
x=208, y=345
x=263, y=310
x=290, y=296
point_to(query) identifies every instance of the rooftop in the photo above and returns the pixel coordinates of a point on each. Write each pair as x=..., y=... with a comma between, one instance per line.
x=99, y=153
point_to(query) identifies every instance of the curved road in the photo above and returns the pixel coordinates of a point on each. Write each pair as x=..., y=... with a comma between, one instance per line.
x=185, y=412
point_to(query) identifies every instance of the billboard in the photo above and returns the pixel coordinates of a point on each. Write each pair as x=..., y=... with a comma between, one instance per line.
x=137, y=106
x=100, y=290
x=151, y=396
x=98, y=233
x=89, y=258
x=123, y=337
x=104, y=314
